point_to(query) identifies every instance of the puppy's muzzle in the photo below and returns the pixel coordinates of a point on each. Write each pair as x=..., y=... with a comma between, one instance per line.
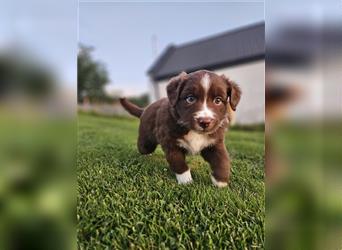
x=204, y=122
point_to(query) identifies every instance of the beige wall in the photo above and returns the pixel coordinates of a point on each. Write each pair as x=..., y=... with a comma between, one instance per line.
x=251, y=78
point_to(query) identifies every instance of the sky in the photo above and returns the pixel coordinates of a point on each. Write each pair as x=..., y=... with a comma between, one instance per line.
x=121, y=33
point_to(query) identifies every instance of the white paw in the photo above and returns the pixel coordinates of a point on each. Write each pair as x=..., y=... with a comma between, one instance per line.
x=184, y=178
x=219, y=184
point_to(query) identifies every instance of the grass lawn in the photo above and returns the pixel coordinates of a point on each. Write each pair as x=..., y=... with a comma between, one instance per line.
x=127, y=200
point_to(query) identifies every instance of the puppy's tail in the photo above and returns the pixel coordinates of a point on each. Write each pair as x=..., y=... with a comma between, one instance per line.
x=131, y=108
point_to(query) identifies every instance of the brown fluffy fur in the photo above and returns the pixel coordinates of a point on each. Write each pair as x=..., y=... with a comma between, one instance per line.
x=169, y=119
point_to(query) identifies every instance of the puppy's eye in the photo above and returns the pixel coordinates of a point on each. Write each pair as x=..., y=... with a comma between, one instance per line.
x=218, y=100
x=190, y=99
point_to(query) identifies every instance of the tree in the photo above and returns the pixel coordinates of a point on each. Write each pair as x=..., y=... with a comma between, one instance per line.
x=142, y=100
x=92, y=76
x=21, y=74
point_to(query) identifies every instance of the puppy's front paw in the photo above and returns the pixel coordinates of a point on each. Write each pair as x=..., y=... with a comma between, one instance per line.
x=184, y=178
x=217, y=183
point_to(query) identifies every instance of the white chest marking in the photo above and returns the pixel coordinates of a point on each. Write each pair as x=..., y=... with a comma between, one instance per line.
x=194, y=142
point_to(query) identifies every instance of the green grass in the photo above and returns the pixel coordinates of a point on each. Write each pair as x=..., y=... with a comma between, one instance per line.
x=127, y=200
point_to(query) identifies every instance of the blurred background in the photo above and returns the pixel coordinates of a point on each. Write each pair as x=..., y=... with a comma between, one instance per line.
x=38, y=53
x=303, y=124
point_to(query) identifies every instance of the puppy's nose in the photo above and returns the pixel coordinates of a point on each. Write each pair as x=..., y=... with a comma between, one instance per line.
x=204, y=122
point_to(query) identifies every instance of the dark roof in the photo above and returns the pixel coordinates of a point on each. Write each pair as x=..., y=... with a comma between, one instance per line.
x=297, y=45
x=229, y=48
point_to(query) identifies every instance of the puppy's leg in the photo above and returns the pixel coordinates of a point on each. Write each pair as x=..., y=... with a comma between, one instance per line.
x=217, y=157
x=146, y=145
x=176, y=159
x=147, y=141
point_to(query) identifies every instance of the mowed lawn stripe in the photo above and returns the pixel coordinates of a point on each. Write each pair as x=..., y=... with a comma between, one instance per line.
x=127, y=200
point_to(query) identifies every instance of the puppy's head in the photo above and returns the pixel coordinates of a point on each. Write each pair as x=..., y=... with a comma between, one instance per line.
x=201, y=99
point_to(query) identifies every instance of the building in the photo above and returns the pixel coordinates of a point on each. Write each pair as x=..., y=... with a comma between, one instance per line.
x=305, y=60
x=238, y=53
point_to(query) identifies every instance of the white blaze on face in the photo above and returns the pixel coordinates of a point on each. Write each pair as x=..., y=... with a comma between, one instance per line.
x=206, y=82
x=205, y=111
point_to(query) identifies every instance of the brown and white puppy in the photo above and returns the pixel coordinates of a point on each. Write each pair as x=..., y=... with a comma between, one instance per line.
x=191, y=120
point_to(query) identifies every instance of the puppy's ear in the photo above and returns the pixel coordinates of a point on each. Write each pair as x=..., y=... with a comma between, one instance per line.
x=175, y=86
x=233, y=91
